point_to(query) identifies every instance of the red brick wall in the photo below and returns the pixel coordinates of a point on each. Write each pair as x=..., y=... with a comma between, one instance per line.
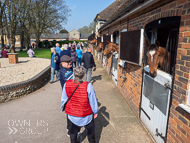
x=179, y=120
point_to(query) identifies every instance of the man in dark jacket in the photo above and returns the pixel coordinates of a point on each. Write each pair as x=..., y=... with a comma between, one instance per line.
x=89, y=63
x=65, y=72
x=65, y=51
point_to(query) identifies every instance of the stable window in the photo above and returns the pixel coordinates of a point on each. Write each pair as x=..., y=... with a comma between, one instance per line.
x=116, y=37
x=106, y=39
x=98, y=39
x=165, y=30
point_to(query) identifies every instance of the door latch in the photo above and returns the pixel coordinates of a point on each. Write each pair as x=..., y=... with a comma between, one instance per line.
x=167, y=85
x=160, y=134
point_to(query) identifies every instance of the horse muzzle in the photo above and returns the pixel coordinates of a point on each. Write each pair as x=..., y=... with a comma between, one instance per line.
x=153, y=75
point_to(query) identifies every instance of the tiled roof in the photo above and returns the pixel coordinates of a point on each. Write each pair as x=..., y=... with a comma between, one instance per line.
x=84, y=36
x=52, y=36
x=58, y=36
x=122, y=9
x=107, y=12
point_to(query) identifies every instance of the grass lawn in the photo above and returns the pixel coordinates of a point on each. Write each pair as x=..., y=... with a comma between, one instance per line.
x=39, y=53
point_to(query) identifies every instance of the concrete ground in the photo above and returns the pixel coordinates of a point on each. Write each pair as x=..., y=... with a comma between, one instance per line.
x=37, y=117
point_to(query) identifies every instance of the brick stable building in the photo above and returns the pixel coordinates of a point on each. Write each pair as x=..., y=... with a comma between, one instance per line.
x=164, y=110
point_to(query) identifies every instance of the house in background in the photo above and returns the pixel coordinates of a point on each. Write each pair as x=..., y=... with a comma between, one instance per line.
x=73, y=35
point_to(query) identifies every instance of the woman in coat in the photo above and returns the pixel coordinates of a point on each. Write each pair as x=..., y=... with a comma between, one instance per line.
x=82, y=107
x=73, y=56
x=55, y=60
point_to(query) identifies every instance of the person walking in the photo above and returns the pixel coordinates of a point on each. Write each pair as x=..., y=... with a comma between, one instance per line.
x=82, y=107
x=89, y=63
x=58, y=50
x=66, y=73
x=30, y=52
x=73, y=56
x=4, y=53
x=55, y=60
x=79, y=54
x=65, y=51
x=82, y=45
x=69, y=47
x=0, y=53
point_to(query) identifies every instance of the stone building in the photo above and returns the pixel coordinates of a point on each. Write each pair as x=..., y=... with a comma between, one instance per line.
x=73, y=35
x=162, y=103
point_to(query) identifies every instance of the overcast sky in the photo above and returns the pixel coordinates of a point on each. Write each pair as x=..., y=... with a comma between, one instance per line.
x=83, y=12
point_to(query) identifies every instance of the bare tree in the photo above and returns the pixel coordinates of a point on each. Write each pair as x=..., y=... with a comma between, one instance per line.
x=48, y=16
x=2, y=23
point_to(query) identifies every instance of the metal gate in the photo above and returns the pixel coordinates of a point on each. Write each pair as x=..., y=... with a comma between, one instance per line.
x=156, y=93
x=114, y=67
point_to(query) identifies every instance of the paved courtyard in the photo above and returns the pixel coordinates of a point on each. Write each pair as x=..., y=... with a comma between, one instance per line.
x=37, y=117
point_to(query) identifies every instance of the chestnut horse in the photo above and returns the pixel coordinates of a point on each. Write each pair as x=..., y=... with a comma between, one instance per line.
x=155, y=56
x=100, y=46
x=111, y=47
x=93, y=41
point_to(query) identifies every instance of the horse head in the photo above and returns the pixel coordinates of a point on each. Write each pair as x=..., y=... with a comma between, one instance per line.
x=110, y=47
x=93, y=41
x=100, y=46
x=153, y=57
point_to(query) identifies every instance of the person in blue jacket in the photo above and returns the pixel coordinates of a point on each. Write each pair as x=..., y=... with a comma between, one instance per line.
x=55, y=60
x=58, y=50
x=79, y=54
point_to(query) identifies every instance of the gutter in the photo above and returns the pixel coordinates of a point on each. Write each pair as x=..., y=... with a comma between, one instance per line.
x=140, y=7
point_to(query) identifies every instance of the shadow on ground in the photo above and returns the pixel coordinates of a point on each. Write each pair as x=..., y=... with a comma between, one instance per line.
x=100, y=122
x=23, y=61
x=95, y=78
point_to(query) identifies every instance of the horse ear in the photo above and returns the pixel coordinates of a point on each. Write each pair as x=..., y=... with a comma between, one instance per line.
x=108, y=42
x=147, y=43
x=157, y=43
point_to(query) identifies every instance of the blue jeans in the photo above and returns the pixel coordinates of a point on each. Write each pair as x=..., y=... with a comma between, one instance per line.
x=52, y=74
x=89, y=71
x=78, y=61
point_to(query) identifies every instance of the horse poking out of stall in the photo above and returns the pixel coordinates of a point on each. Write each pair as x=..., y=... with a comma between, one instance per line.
x=93, y=41
x=156, y=56
x=110, y=47
x=100, y=46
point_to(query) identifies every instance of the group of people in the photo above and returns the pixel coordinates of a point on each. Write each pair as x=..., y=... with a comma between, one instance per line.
x=69, y=50
x=77, y=93
x=4, y=53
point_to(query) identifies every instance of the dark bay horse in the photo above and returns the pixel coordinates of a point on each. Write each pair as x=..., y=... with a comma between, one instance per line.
x=155, y=56
x=111, y=47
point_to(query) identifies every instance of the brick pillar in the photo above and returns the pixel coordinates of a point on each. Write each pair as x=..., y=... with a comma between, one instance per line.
x=13, y=58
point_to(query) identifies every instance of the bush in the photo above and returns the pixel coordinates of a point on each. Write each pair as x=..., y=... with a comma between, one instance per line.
x=46, y=43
